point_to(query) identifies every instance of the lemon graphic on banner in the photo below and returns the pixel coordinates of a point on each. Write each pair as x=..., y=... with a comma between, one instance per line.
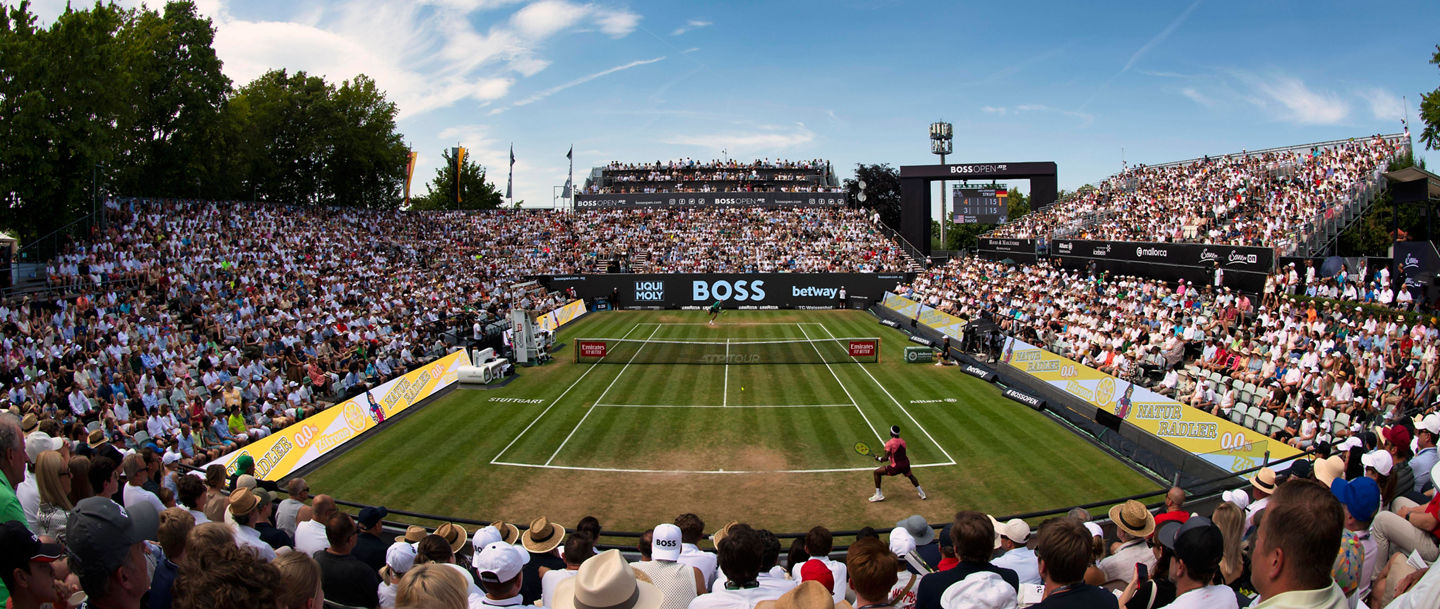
x=1105, y=391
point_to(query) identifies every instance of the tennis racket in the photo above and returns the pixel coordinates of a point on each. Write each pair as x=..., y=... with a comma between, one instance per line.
x=864, y=449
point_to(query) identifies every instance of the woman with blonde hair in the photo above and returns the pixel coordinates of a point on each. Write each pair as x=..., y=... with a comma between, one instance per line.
x=431, y=586
x=52, y=477
x=301, y=577
x=1231, y=521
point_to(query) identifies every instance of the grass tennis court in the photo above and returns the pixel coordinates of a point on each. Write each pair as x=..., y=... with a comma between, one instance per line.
x=637, y=443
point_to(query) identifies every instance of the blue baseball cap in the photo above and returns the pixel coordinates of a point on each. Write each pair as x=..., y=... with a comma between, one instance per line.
x=1361, y=496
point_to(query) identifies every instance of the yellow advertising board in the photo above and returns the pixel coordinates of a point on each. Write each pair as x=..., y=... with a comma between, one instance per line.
x=553, y=320
x=1219, y=441
x=289, y=449
x=939, y=321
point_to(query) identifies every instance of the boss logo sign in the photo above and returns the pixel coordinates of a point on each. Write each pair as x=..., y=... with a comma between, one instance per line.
x=704, y=291
x=666, y=543
x=649, y=291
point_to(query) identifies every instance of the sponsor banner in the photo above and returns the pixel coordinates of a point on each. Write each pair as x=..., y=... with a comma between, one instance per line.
x=889, y=322
x=1024, y=398
x=980, y=170
x=919, y=355
x=934, y=319
x=287, y=450
x=712, y=199
x=1229, y=257
x=734, y=291
x=921, y=340
x=553, y=320
x=979, y=372
x=1017, y=246
x=591, y=348
x=862, y=348
x=1209, y=437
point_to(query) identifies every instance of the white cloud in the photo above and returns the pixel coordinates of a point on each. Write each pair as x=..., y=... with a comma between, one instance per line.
x=494, y=155
x=584, y=79
x=1085, y=118
x=1289, y=99
x=546, y=17
x=689, y=50
x=693, y=24
x=1384, y=105
x=1197, y=97
x=762, y=142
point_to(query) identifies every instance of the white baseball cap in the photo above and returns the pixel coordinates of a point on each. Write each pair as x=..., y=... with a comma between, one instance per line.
x=902, y=543
x=485, y=536
x=38, y=442
x=400, y=557
x=1431, y=423
x=500, y=562
x=1238, y=496
x=665, y=542
x=1094, y=529
x=1016, y=530
x=1380, y=460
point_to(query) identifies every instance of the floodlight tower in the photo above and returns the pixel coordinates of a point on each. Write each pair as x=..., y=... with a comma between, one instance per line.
x=941, y=134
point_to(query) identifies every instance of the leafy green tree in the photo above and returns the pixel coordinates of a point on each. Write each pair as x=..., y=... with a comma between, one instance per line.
x=1430, y=110
x=475, y=192
x=882, y=191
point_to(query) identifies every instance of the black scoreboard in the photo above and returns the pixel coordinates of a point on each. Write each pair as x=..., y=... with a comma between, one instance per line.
x=980, y=205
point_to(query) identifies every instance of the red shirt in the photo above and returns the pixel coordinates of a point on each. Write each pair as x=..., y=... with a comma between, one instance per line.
x=1179, y=516
x=895, y=448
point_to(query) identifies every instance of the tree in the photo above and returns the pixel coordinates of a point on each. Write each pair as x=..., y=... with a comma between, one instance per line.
x=475, y=192
x=882, y=191
x=1430, y=110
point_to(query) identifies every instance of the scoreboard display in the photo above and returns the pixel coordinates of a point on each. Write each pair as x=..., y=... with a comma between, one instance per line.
x=985, y=205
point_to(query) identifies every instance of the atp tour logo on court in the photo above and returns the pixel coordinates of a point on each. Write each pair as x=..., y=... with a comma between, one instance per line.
x=649, y=291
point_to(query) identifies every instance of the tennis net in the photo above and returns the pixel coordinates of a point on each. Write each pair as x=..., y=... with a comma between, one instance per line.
x=789, y=351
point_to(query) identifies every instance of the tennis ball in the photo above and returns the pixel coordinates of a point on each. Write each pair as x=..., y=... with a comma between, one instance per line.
x=742, y=388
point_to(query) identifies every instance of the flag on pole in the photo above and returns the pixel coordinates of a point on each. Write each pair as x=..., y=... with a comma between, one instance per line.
x=510, y=183
x=570, y=179
x=459, y=153
x=409, y=174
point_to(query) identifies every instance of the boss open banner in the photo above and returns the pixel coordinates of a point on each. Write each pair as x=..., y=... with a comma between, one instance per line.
x=733, y=291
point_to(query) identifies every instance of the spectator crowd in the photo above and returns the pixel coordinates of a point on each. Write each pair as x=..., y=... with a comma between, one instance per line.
x=1314, y=534
x=1267, y=199
x=689, y=175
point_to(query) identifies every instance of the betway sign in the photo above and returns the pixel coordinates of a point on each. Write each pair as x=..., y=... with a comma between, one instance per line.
x=755, y=290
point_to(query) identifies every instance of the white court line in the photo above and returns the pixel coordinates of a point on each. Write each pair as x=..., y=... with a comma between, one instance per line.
x=725, y=392
x=602, y=396
x=723, y=406
x=552, y=404
x=842, y=385
x=731, y=325
x=706, y=471
x=897, y=402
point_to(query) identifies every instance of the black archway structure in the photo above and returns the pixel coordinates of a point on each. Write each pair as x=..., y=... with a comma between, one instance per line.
x=915, y=190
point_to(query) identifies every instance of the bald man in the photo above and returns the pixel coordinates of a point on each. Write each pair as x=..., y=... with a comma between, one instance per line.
x=1174, y=507
x=310, y=534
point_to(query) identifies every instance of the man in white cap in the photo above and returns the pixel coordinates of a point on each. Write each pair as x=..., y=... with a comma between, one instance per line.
x=680, y=582
x=28, y=492
x=499, y=565
x=1022, y=560
x=1426, y=456
x=1410, y=528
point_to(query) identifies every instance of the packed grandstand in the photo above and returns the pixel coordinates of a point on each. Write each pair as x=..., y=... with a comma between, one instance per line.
x=187, y=329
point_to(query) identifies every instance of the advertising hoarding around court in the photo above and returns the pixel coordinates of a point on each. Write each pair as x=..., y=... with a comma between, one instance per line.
x=283, y=452
x=733, y=290
x=1219, y=441
x=712, y=199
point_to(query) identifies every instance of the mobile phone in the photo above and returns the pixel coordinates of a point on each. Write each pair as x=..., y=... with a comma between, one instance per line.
x=1142, y=571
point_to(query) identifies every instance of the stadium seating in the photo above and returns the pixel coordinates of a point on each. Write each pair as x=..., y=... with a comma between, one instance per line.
x=1270, y=198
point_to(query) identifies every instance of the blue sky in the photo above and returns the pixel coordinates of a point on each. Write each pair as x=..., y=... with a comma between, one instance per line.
x=850, y=81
